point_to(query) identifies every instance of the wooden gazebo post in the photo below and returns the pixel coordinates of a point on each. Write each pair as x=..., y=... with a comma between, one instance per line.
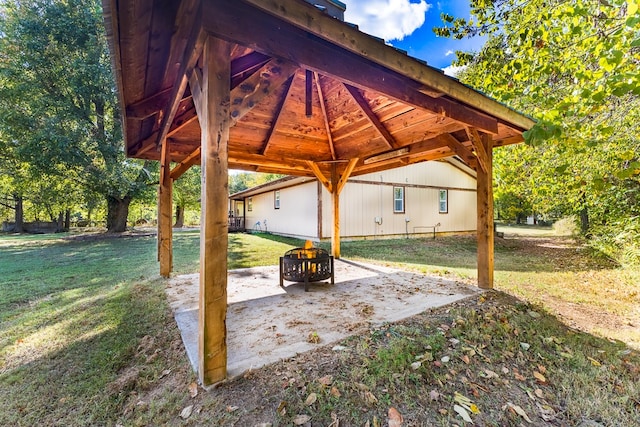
x=483, y=145
x=212, y=99
x=165, y=232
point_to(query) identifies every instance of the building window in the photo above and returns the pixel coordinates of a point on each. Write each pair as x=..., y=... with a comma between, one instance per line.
x=398, y=199
x=250, y=204
x=276, y=199
x=443, y=205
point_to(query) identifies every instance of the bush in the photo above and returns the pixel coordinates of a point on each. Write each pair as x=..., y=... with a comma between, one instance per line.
x=619, y=241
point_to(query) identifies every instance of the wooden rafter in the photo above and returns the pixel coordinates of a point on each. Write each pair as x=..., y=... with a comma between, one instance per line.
x=258, y=86
x=308, y=93
x=179, y=123
x=246, y=65
x=428, y=79
x=318, y=173
x=225, y=17
x=325, y=117
x=192, y=159
x=344, y=177
x=277, y=115
x=481, y=153
x=192, y=52
x=373, y=119
x=463, y=152
x=149, y=106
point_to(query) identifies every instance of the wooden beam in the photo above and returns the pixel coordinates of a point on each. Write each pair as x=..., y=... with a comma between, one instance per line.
x=335, y=209
x=165, y=214
x=277, y=115
x=463, y=152
x=308, y=98
x=192, y=159
x=318, y=173
x=258, y=86
x=191, y=54
x=349, y=38
x=243, y=66
x=239, y=22
x=149, y=142
x=479, y=147
x=373, y=119
x=215, y=123
x=346, y=174
x=325, y=117
x=400, y=152
x=149, y=106
x=485, y=217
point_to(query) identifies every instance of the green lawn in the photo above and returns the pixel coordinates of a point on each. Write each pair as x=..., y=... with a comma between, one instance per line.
x=87, y=338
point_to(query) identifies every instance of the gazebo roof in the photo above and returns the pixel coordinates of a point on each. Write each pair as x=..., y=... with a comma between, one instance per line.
x=308, y=91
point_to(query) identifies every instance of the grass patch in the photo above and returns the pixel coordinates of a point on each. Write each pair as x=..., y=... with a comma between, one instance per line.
x=87, y=338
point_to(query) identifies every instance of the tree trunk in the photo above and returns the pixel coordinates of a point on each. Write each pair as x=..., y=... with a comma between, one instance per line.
x=117, y=213
x=67, y=220
x=584, y=217
x=60, y=222
x=19, y=214
x=179, y=217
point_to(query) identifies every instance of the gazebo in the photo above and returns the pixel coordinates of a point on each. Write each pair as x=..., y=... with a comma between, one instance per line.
x=283, y=86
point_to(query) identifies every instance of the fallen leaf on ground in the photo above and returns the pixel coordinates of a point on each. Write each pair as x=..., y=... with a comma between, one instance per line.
x=488, y=373
x=416, y=365
x=594, y=362
x=186, y=412
x=518, y=410
x=463, y=413
x=326, y=380
x=525, y=346
x=539, y=377
x=335, y=422
x=370, y=398
x=434, y=395
x=542, y=369
x=465, y=359
x=395, y=418
x=335, y=392
x=301, y=419
x=232, y=408
x=282, y=408
x=311, y=399
x=193, y=389
x=538, y=393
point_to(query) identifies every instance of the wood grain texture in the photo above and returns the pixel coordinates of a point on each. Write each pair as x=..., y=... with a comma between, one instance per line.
x=215, y=110
x=485, y=216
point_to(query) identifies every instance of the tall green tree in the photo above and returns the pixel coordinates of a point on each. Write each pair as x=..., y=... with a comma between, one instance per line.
x=60, y=109
x=574, y=66
x=186, y=193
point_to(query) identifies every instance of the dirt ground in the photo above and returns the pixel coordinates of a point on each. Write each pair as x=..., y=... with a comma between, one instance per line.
x=267, y=323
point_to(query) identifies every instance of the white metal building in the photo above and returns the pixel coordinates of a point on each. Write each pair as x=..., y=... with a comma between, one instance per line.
x=418, y=199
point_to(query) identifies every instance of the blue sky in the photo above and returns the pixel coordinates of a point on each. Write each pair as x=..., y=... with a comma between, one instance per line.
x=407, y=25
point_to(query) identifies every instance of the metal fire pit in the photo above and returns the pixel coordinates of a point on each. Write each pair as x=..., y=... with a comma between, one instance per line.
x=306, y=265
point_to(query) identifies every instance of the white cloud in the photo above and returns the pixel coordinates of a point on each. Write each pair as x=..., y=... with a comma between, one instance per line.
x=453, y=70
x=388, y=19
x=449, y=53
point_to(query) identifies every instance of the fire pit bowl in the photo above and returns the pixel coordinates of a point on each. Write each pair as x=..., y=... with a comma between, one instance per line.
x=306, y=265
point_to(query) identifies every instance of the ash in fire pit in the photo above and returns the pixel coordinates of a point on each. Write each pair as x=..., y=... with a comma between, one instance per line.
x=306, y=265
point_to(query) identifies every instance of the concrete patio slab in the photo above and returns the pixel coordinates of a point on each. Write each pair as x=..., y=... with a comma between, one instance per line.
x=267, y=323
